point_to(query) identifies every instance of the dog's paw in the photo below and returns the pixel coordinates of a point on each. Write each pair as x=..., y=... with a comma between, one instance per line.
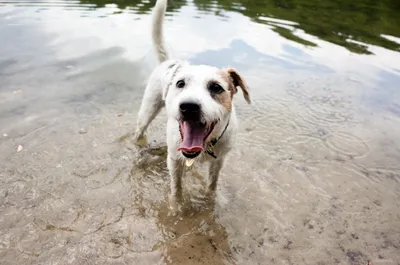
x=175, y=205
x=140, y=140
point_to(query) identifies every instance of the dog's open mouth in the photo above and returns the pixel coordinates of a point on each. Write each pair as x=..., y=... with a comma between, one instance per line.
x=194, y=136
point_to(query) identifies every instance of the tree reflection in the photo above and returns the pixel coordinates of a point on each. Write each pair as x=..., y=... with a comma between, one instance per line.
x=348, y=23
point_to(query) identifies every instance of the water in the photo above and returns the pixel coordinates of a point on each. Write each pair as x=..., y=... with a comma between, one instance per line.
x=314, y=178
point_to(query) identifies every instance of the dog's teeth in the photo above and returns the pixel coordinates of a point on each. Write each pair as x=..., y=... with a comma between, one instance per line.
x=189, y=162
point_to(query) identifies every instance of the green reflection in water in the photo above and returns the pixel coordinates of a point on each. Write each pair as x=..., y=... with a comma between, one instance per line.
x=348, y=23
x=140, y=7
x=335, y=21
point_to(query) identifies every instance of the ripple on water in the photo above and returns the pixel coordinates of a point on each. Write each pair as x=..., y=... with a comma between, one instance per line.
x=337, y=173
x=321, y=106
x=347, y=144
x=383, y=173
x=267, y=118
x=328, y=113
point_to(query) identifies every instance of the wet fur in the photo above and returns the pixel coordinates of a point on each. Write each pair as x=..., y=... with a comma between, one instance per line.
x=161, y=91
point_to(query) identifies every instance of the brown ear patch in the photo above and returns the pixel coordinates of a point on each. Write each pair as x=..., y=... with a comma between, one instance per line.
x=225, y=98
x=228, y=79
x=238, y=81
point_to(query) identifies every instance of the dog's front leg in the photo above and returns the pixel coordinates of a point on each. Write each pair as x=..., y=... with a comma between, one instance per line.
x=214, y=170
x=175, y=167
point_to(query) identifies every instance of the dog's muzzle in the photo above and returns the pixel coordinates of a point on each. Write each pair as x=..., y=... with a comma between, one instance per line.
x=190, y=111
x=193, y=131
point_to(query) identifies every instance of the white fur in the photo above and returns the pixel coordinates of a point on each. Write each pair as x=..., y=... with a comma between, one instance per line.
x=162, y=91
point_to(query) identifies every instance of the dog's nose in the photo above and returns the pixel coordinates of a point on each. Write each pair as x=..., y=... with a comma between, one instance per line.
x=189, y=107
x=190, y=110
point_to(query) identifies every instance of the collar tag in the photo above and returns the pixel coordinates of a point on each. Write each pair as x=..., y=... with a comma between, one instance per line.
x=189, y=162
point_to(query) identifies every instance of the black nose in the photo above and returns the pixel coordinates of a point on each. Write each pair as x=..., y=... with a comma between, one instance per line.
x=190, y=110
x=189, y=107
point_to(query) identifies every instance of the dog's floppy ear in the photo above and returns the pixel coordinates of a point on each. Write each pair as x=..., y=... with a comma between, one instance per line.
x=168, y=76
x=238, y=81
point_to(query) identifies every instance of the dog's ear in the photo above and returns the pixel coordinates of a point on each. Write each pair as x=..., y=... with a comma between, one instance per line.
x=168, y=76
x=238, y=81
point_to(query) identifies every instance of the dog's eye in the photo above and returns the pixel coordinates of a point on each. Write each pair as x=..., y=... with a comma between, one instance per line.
x=215, y=88
x=180, y=84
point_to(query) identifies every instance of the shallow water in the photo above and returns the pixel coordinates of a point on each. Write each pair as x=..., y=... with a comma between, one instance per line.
x=315, y=175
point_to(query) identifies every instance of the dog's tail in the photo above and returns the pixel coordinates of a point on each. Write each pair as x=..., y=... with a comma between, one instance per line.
x=158, y=30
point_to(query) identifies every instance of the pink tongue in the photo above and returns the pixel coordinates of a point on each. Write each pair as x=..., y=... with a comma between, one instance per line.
x=193, y=137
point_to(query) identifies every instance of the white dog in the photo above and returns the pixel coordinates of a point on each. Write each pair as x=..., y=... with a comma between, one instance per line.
x=202, y=122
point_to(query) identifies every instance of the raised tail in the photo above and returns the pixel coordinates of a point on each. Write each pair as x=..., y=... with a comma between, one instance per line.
x=158, y=30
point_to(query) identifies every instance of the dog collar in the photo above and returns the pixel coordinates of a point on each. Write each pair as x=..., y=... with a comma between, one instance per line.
x=211, y=144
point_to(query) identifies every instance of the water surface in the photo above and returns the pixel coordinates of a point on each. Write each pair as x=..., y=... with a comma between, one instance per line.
x=315, y=175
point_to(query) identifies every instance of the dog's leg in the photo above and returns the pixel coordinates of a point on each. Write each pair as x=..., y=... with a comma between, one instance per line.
x=175, y=167
x=151, y=105
x=214, y=170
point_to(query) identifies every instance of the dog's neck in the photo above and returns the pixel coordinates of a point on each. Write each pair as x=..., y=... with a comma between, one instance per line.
x=224, y=127
x=219, y=134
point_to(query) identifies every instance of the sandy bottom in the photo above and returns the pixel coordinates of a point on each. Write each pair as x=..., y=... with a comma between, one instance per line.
x=314, y=178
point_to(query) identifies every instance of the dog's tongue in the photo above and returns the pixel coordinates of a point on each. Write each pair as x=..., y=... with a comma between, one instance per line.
x=192, y=136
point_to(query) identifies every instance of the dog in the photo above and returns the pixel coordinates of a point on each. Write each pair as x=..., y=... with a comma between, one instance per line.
x=202, y=122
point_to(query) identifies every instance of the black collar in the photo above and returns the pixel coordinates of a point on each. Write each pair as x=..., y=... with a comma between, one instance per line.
x=213, y=142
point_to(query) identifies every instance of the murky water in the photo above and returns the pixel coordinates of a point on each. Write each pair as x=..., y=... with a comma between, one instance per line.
x=314, y=178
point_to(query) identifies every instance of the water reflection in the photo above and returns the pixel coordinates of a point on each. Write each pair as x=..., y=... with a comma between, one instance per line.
x=350, y=24
x=341, y=22
x=314, y=177
x=247, y=56
x=136, y=6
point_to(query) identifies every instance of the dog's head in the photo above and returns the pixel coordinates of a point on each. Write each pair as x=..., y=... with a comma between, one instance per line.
x=199, y=97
